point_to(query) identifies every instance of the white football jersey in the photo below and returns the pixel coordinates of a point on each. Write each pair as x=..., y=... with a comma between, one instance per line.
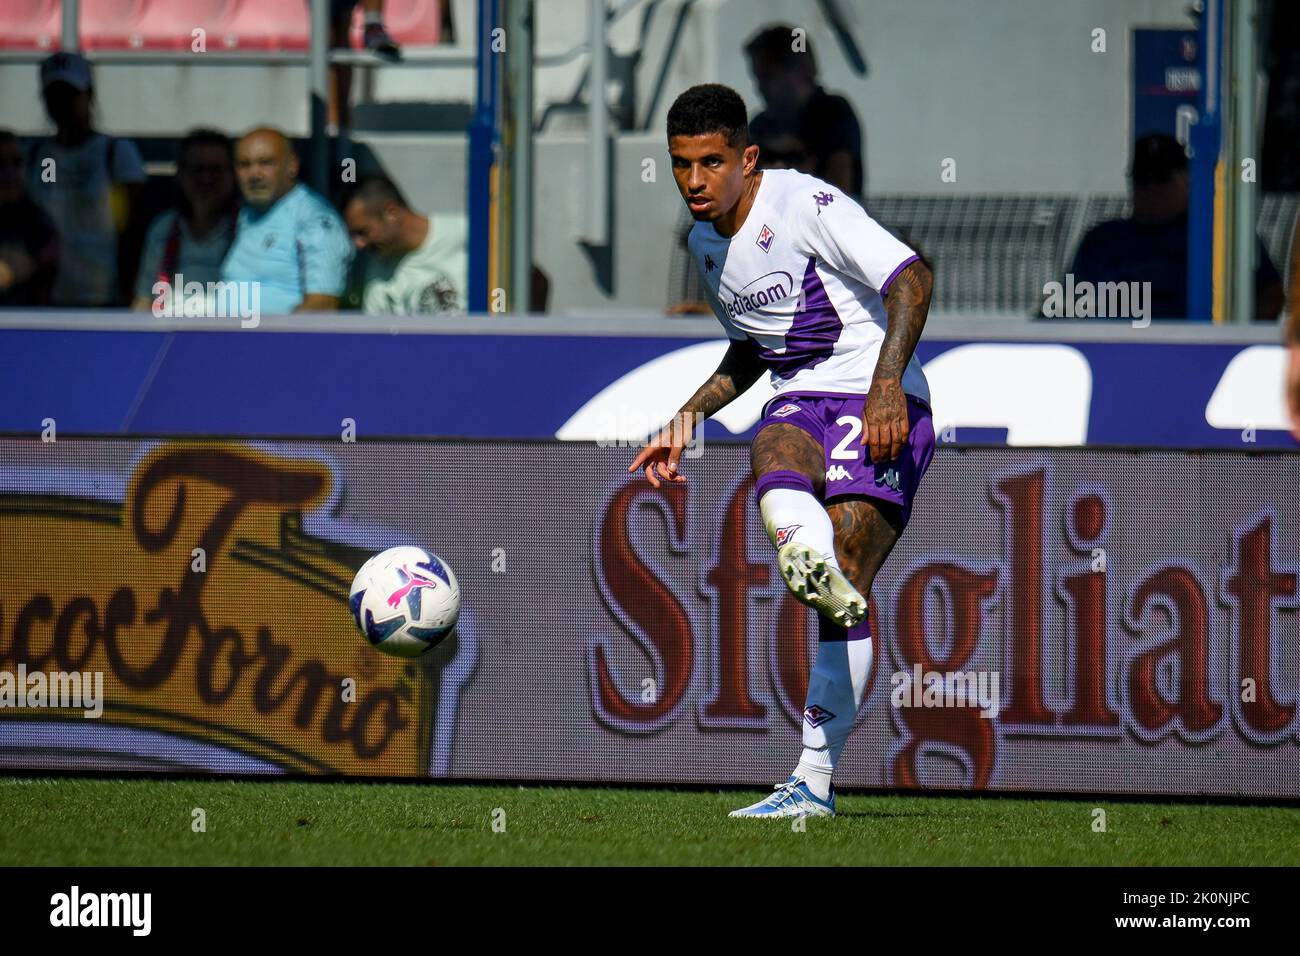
x=803, y=277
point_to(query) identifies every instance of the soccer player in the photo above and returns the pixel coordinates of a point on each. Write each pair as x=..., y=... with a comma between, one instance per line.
x=811, y=289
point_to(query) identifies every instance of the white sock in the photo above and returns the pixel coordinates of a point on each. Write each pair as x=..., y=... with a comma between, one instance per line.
x=835, y=690
x=798, y=516
x=372, y=16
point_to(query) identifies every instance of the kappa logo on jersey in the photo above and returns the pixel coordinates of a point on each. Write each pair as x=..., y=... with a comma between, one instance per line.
x=816, y=715
x=823, y=199
x=765, y=238
x=709, y=264
x=837, y=473
x=786, y=410
x=890, y=478
x=783, y=535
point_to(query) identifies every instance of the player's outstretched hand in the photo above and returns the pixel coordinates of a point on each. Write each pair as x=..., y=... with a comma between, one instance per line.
x=661, y=456
x=884, y=420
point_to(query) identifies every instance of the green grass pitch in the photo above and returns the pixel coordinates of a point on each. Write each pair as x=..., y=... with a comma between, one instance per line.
x=81, y=821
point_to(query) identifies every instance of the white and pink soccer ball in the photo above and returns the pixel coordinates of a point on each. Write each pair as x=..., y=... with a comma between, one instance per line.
x=405, y=601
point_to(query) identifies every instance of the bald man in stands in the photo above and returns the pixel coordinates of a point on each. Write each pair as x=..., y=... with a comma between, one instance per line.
x=289, y=239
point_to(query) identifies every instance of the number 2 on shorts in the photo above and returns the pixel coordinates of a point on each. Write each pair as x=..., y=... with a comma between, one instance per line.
x=844, y=449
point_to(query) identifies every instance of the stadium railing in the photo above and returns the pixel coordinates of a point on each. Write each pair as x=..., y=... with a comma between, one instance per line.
x=993, y=254
x=282, y=33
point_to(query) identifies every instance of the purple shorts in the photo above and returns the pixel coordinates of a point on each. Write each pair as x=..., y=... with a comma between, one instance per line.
x=835, y=422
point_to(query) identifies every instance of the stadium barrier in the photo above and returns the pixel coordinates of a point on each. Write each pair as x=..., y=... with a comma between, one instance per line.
x=1175, y=385
x=1054, y=620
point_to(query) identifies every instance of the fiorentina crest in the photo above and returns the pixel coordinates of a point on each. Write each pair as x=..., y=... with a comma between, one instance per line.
x=783, y=535
x=816, y=715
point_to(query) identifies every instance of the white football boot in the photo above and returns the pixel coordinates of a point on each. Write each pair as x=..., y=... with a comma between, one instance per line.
x=791, y=799
x=820, y=586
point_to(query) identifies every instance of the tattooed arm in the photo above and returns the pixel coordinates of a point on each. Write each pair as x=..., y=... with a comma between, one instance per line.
x=884, y=415
x=740, y=368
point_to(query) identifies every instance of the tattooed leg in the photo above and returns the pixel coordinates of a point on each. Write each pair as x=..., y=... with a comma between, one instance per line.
x=790, y=470
x=860, y=533
x=788, y=448
x=866, y=531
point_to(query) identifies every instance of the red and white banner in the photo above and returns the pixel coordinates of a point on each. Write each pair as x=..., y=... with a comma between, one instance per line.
x=1058, y=621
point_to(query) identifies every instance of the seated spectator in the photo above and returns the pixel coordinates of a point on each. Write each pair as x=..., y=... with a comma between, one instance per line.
x=192, y=239
x=29, y=243
x=288, y=239
x=794, y=101
x=407, y=264
x=1151, y=245
x=90, y=185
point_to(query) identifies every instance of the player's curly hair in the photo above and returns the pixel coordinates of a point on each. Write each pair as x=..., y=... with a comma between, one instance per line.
x=710, y=108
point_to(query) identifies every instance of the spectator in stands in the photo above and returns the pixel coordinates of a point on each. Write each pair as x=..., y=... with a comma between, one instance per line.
x=29, y=243
x=407, y=264
x=786, y=72
x=192, y=239
x=376, y=39
x=1151, y=245
x=288, y=239
x=781, y=148
x=90, y=185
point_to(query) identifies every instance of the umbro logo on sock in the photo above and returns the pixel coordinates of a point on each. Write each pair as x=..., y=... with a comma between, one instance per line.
x=816, y=715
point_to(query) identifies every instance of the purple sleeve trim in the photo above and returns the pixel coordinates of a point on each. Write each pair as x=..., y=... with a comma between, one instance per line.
x=884, y=289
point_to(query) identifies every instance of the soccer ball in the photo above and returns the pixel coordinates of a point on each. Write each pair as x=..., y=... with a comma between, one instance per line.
x=405, y=601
